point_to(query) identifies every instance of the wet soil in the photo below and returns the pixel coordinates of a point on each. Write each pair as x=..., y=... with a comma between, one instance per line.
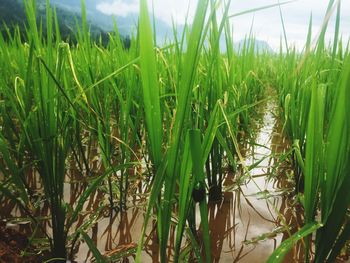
x=12, y=245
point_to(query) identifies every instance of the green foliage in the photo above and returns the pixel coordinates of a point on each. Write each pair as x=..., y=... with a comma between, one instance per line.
x=314, y=99
x=175, y=111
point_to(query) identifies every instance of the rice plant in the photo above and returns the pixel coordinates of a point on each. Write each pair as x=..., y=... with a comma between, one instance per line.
x=317, y=100
x=165, y=124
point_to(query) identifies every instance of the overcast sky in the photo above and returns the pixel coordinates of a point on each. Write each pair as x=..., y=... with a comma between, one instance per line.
x=267, y=23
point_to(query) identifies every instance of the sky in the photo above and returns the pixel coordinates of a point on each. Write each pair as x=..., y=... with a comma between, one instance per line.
x=266, y=23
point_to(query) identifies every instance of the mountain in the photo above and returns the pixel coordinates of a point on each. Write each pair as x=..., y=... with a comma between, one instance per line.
x=11, y=18
x=69, y=11
x=12, y=14
x=126, y=24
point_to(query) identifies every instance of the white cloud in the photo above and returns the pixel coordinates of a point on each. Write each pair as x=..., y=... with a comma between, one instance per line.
x=178, y=10
x=166, y=10
x=118, y=8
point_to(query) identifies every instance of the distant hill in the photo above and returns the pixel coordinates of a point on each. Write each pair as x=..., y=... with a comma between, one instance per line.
x=126, y=24
x=94, y=16
x=68, y=11
x=12, y=13
x=11, y=18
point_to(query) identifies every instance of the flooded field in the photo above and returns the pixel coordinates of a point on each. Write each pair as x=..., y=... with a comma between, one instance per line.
x=246, y=226
x=120, y=147
x=254, y=216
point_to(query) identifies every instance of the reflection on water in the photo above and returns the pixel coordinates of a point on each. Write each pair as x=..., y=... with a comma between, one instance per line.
x=246, y=226
x=249, y=223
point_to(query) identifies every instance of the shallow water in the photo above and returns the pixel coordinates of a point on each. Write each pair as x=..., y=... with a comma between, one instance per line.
x=256, y=208
x=246, y=226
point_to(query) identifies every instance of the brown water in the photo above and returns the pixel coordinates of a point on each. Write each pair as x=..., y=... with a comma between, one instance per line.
x=246, y=226
x=252, y=218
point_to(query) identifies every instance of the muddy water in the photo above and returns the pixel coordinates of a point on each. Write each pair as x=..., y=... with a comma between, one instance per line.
x=246, y=226
x=249, y=224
